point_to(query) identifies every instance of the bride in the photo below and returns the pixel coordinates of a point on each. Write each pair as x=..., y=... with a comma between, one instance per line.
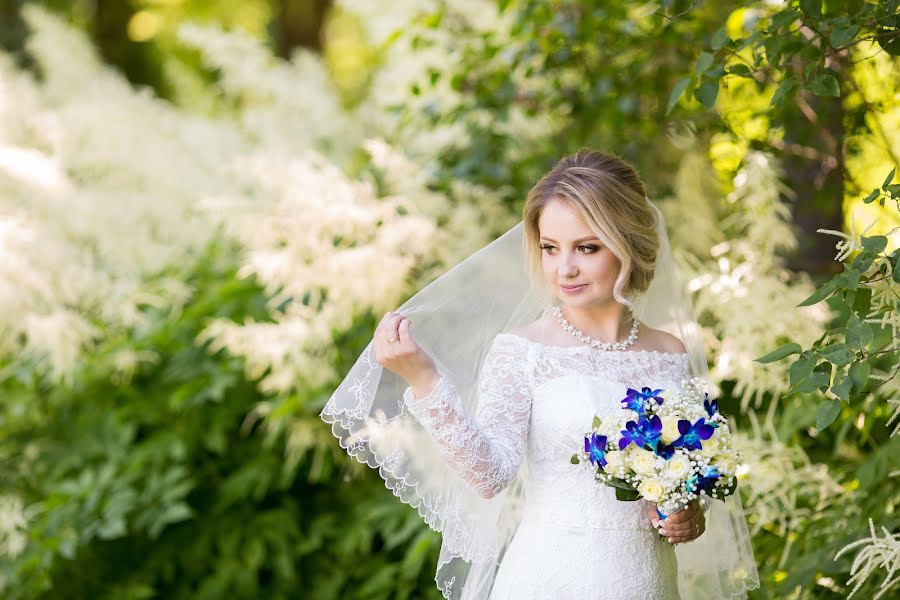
x=560, y=309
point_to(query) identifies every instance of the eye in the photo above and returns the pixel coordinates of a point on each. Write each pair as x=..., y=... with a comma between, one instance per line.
x=590, y=249
x=548, y=248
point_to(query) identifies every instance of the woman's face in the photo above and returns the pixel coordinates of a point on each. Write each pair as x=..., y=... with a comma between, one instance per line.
x=578, y=267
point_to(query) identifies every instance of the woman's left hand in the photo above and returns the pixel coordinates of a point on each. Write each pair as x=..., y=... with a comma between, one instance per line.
x=683, y=526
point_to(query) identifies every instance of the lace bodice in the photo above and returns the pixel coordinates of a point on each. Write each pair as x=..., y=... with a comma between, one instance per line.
x=535, y=403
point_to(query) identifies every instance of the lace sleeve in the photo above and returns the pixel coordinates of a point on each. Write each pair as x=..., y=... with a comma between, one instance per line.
x=486, y=450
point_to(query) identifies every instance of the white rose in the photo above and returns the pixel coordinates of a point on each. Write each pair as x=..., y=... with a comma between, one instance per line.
x=642, y=461
x=670, y=431
x=725, y=463
x=678, y=466
x=710, y=447
x=651, y=489
x=614, y=461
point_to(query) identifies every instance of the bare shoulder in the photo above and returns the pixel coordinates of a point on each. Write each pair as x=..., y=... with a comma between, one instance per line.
x=528, y=330
x=662, y=340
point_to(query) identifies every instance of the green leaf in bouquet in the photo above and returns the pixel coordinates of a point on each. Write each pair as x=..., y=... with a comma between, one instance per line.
x=872, y=195
x=778, y=354
x=595, y=424
x=829, y=409
x=627, y=495
x=575, y=460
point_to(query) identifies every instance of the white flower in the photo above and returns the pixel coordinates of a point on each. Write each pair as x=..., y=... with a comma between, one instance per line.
x=670, y=431
x=615, y=460
x=710, y=447
x=678, y=466
x=651, y=489
x=642, y=461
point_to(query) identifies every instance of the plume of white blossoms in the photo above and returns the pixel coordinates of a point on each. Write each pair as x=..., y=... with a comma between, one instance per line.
x=98, y=191
x=874, y=553
x=744, y=281
x=786, y=490
x=13, y=526
x=326, y=248
x=284, y=106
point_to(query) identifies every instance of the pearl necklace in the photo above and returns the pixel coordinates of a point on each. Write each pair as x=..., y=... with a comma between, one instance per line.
x=594, y=342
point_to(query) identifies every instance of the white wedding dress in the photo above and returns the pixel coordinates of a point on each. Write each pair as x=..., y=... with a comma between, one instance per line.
x=536, y=402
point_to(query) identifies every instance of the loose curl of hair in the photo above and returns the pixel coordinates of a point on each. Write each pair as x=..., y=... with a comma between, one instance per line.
x=610, y=197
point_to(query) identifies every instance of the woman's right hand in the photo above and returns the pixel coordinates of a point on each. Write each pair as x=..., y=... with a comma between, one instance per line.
x=404, y=356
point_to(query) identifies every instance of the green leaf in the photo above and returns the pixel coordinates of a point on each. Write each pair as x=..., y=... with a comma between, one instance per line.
x=838, y=354
x=859, y=373
x=783, y=90
x=820, y=294
x=801, y=369
x=812, y=383
x=875, y=193
x=859, y=334
x=575, y=460
x=595, y=424
x=848, y=280
x=785, y=17
x=778, y=354
x=875, y=243
x=824, y=85
x=704, y=62
x=719, y=38
x=841, y=387
x=707, y=93
x=863, y=261
x=627, y=495
x=829, y=409
x=890, y=178
x=812, y=7
x=842, y=35
x=863, y=301
x=739, y=69
x=677, y=91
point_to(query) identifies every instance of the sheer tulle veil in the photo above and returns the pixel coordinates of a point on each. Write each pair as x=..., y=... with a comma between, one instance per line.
x=455, y=319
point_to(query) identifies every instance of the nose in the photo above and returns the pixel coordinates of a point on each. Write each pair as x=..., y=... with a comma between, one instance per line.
x=567, y=267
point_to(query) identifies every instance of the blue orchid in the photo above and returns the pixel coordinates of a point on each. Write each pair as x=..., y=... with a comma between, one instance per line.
x=711, y=407
x=665, y=451
x=708, y=478
x=595, y=446
x=635, y=400
x=643, y=432
x=692, y=434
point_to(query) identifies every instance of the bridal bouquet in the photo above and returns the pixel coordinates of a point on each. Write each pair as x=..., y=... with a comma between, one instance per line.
x=666, y=448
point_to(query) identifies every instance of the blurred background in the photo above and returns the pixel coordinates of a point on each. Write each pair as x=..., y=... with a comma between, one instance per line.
x=206, y=206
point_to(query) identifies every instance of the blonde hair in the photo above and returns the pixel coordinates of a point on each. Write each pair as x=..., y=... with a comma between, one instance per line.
x=609, y=195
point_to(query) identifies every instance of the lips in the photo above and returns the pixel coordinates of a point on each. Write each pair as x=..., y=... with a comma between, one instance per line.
x=572, y=287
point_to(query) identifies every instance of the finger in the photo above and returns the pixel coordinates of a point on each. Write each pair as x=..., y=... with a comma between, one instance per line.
x=683, y=516
x=403, y=331
x=676, y=529
x=379, y=329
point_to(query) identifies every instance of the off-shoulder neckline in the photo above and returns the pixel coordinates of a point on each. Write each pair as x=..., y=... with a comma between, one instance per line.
x=682, y=355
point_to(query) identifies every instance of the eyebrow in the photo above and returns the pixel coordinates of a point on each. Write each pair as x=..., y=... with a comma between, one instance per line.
x=584, y=239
